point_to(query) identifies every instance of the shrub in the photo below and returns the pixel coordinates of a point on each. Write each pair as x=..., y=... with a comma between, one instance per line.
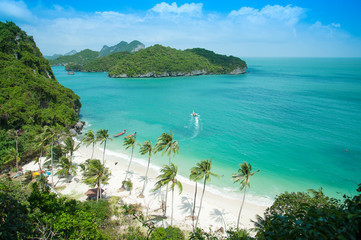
x=170, y=232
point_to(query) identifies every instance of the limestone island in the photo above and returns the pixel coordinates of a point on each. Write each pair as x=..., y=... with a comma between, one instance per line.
x=159, y=61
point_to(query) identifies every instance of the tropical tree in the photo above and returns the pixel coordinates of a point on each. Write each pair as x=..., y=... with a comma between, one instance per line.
x=243, y=177
x=167, y=144
x=102, y=136
x=146, y=148
x=90, y=138
x=70, y=147
x=129, y=142
x=12, y=155
x=41, y=140
x=204, y=170
x=95, y=173
x=15, y=134
x=195, y=176
x=52, y=133
x=168, y=175
x=66, y=168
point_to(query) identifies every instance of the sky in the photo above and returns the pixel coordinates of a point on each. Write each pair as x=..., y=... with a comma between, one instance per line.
x=242, y=28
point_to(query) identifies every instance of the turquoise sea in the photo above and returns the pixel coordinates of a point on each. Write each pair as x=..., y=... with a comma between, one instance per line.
x=298, y=120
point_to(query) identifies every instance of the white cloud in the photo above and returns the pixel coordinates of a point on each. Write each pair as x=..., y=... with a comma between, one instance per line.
x=269, y=31
x=192, y=9
x=15, y=10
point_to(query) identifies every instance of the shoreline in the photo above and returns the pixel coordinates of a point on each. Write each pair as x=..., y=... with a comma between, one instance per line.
x=218, y=211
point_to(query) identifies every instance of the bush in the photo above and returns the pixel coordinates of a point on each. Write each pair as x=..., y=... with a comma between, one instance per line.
x=170, y=232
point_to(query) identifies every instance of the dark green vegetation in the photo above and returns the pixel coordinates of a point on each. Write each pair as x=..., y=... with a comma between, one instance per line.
x=133, y=46
x=31, y=211
x=81, y=57
x=102, y=64
x=79, y=61
x=159, y=61
x=30, y=96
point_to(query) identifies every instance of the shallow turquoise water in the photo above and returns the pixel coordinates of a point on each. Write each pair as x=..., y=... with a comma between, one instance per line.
x=291, y=118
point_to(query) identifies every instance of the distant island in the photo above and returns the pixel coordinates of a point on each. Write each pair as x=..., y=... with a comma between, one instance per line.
x=135, y=61
x=80, y=58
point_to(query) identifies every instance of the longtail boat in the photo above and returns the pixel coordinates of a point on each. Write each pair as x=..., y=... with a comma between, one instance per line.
x=120, y=134
x=131, y=135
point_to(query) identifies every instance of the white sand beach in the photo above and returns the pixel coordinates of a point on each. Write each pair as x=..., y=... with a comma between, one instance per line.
x=218, y=211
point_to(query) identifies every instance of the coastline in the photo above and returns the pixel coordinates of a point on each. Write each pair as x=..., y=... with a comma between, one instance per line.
x=218, y=210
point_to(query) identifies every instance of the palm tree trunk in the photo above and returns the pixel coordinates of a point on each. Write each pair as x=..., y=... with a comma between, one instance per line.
x=200, y=206
x=98, y=190
x=166, y=191
x=100, y=180
x=131, y=157
x=92, y=151
x=16, y=159
x=171, y=218
x=41, y=155
x=146, y=176
x=194, y=204
x=52, y=162
x=240, y=210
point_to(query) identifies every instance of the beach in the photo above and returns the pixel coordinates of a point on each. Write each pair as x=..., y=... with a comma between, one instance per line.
x=218, y=211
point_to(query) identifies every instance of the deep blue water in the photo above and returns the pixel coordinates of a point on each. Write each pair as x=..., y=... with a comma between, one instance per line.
x=298, y=120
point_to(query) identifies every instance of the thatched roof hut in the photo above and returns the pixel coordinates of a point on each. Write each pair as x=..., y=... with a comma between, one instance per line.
x=92, y=193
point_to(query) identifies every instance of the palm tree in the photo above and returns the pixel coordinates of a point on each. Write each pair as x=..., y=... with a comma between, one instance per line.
x=89, y=138
x=52, y=133
x=13, y=154
x=204, y=170
x=41, y=140
x=243, y=176
x=195, y=176
x=95, y=173
x=129, y=142
x=167, y=144
x=144, y=149
x=67, y=168
x=70, y=147
x=102, y=136
x=168, y=175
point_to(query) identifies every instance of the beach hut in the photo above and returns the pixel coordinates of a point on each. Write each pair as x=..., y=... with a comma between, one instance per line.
x=92, y=193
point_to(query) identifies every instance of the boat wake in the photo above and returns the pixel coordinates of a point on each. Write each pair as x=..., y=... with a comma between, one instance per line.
x=194, y=123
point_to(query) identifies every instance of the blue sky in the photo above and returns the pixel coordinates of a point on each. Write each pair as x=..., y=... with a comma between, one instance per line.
x=243, y=28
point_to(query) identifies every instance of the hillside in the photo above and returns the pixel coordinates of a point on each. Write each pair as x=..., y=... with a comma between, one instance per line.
x=160, y=61
x=123, y=46
x=81, y=57
x=30, y=96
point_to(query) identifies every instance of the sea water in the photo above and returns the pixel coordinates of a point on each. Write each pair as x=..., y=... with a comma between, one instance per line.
x=297, y=120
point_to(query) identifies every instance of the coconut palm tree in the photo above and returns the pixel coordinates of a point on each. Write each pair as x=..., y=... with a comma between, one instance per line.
x=243, y=177
x=144, y=149
x=66, y=168
x=167, y=144
x=204, y=169
x=89, y=138
x=70, y=147
x=41, y=140
x=129, y=142
x=13, y=154
x=102, y=136
x=52, y=133
x=95, y=173
x=195, y=176
x=168, y=175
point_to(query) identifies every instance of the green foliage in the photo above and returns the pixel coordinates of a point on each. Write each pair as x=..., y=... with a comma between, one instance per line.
x=238, y=234
x=167, y=233
x=81, y=58
x=30, y=96
x=121, y=47
x=103, y=64
x=166, y=61
x=73, y=67
x=224, y=64
x=200, y=234
x=301, y=216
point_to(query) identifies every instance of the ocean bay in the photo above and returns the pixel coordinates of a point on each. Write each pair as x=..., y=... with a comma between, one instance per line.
x=293, y=119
